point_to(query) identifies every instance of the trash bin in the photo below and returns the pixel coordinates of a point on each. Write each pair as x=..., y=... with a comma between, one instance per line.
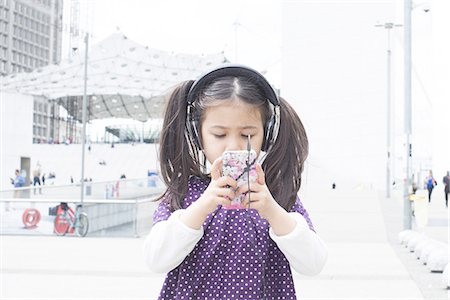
x=420, y=206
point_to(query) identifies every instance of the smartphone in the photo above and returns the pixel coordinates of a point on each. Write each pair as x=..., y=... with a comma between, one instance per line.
x=241, y=166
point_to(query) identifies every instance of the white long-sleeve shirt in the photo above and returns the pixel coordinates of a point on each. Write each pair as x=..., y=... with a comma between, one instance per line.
x=170, y=241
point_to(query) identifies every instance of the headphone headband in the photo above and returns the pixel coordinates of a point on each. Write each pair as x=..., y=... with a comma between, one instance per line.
x=234, y=70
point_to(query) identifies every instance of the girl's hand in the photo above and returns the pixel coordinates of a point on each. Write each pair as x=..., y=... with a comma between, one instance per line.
x=220, y=190
x=260, y=197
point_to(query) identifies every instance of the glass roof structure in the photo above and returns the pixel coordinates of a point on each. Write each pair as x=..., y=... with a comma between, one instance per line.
x=125, y=79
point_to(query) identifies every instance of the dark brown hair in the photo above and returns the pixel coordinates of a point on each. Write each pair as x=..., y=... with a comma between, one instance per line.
x=179, y=157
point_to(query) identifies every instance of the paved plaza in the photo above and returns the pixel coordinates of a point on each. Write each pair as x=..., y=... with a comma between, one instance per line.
x=360, y=229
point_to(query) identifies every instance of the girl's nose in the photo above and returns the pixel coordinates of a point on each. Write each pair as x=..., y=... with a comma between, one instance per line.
x=235, y=144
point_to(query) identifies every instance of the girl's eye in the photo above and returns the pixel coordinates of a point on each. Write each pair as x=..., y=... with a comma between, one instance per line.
x=246, y=135
x=219, y=136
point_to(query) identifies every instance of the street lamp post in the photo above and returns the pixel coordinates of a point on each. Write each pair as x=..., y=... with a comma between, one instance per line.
x=407, y=111
x=83, y=134
x=388, y=27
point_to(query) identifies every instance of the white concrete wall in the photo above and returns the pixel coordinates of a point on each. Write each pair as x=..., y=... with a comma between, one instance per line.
x=334, y=74
x=16, y=133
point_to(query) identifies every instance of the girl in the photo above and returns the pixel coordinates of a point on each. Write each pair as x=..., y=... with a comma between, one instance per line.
x=215, y=253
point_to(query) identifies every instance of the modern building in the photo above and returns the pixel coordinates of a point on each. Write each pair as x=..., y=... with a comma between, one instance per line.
x=31, y=37
x=31, y=34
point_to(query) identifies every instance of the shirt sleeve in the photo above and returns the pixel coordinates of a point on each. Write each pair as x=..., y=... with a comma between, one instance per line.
x=169, y=241
x=303, y=248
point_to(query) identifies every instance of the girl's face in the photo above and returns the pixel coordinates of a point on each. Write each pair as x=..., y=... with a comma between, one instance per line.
x=226, y=126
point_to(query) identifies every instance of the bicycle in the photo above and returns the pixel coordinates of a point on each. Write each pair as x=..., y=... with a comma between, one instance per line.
x=71, y=221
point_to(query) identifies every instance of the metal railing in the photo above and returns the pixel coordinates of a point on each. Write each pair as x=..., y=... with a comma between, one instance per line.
x=114, y=208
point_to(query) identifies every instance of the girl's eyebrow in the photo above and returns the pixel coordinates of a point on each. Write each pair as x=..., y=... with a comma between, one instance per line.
x=240, y=127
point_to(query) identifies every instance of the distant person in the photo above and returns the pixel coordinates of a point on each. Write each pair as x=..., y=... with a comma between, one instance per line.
x=446, y=181
x=112, y=145
x=209, y=249
x=430, y=183
x=333, y=186
x=43, y=179
x=37, y=177
x=19, y=180
x=71, y=179
x=89, y=148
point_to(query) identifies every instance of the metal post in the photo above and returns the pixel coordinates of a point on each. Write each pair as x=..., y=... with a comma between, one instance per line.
x=83, y=134
x=136, y=233
x=388, y=27
x=142, y=133
x=407, y=112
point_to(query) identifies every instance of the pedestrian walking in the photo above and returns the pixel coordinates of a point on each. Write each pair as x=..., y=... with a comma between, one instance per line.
x=210, y=250
x=446, y=181
x=430, y=183
x=37, y=178
x=18, y=181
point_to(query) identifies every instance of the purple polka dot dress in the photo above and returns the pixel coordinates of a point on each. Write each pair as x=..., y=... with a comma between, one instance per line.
x=235, y=258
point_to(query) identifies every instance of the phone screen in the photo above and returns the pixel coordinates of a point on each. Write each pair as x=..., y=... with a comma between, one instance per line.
x=241, y=166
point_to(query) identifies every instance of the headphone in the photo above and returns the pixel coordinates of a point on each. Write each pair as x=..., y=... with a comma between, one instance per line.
x=272, y=125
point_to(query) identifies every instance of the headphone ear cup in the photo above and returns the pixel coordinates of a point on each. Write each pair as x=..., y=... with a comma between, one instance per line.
x=195, y=133
x=268, y=134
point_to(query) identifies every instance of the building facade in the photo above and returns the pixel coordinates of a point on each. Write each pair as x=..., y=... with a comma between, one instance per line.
x=31, y=37
x=31, y=34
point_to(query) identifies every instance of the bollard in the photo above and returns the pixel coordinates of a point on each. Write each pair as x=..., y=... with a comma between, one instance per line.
x=412, y=243
x=438, y=259
x=446, y=277
x=426, y=251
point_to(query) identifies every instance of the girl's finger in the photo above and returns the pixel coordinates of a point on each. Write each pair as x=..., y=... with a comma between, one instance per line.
x=254, y=187
x=261, y=176
x=253, y=200
x=216, y=169
x=222, y=201
x=226, y=192
x=226, y=181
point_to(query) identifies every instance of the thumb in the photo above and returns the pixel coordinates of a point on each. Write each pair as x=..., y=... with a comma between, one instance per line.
x=216, y=169
x=261, y=175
